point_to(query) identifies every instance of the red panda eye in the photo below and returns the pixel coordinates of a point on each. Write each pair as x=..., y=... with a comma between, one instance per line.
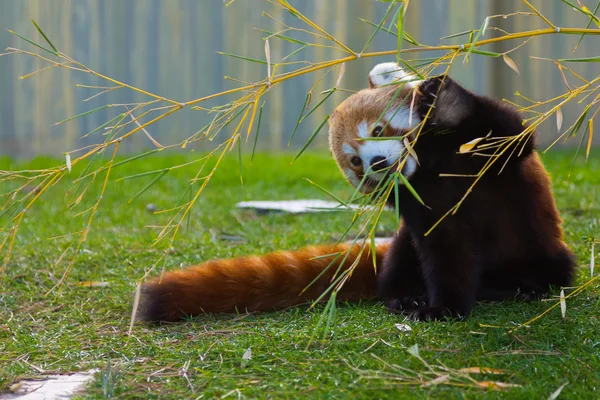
x=377, y=131
x=356, y=161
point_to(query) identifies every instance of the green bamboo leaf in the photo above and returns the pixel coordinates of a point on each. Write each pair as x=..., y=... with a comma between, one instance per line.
x=137, y=157
x=327, y=192
x=103, y=125
x=581, y=10
x=149, y=185
x=400, y=30
x=323, y=100
x=293, y=53
x=240, y=160
x=474, y=40
x=487, y=53
x=83, y=114
x=588, y=24
x=256, y=133
x=410, y=67
x=312, y=137
x=141, y=174
x=410, y=188
x=380, y=25
x=286, y=38
x=254, y=60
x=32, y=42
x=44, y=35
x=583, y=59
x=470, y=32
x=308, y=95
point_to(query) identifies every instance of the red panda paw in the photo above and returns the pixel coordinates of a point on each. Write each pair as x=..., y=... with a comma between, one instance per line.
x=435, y=314
x=406, y=305
x=429, y=90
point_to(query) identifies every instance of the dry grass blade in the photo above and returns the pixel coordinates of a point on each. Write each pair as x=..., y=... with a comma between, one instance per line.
x=592, y=259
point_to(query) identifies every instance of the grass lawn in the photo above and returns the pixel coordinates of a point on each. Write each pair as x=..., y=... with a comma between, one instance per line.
x=365, y=355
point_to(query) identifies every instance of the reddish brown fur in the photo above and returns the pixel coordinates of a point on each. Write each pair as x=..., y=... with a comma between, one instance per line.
x=258, y=283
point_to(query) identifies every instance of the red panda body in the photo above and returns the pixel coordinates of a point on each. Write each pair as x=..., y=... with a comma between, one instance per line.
x=505, y=240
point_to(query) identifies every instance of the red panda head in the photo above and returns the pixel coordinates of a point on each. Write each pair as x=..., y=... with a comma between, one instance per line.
x=382, y=111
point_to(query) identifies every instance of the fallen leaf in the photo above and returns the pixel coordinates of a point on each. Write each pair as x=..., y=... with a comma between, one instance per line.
x=247, y=354
x=404, y=328
x=563, y=304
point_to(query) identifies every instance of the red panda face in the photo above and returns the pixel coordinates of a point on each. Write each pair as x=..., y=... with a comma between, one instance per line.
x=366, y=131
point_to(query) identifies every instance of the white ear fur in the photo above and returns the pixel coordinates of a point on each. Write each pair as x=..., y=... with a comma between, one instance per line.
x=386, y=73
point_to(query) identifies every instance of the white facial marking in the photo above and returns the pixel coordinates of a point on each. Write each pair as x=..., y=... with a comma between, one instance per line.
x=363, y=130
x=386, y=73
x=410, y=167
x=352, y=177
x=348, y=150
x=400, y=118
x=391, y=150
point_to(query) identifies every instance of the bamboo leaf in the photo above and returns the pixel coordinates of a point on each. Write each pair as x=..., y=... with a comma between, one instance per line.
x=312, y=137
x=254, y=60
x=458, y=34
x=256, y=134
x=467, y=147
x=327, y=192
x=308, y=95
x=68, y=161
x=410, y=188
x=323, y=100
x=149, y=185
x=286, y=38
x=583, y=59
x=82, y=114
x=44, y=35
x=559, y=119
x=563, y=304
x=410, y=150
x=400, y=30
x=511, y=63
x=380, y=25
x=590, y=138
x=340, y=76
x=473, y=41
x=268, y=56
x=32, y=42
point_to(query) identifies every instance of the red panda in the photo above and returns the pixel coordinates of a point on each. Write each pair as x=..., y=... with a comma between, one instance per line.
x=505, y=241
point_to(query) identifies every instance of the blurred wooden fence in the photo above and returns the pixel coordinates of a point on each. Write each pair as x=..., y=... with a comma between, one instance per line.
x=169, y=47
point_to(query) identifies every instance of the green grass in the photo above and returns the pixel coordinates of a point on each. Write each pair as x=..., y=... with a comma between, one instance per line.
x=77, y=328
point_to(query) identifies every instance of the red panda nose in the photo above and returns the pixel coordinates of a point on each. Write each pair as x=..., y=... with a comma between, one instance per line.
x=378, y=163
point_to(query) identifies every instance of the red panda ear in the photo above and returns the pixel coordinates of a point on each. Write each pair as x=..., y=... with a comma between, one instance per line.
x=387, y=73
